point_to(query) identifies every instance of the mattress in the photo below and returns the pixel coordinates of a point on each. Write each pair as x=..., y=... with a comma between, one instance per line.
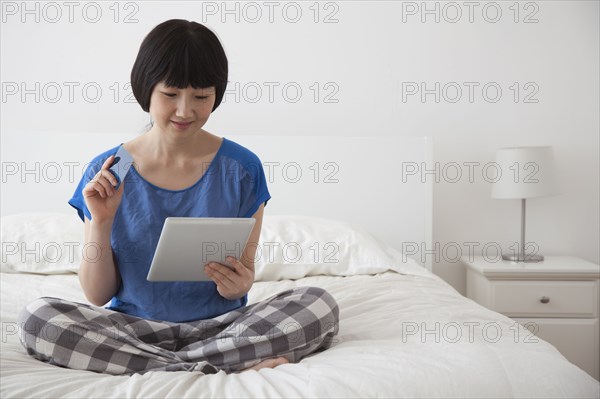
x=403, y=332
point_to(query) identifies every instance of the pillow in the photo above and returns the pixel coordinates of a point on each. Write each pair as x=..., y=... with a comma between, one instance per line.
x=292, y=247
x=44, y=243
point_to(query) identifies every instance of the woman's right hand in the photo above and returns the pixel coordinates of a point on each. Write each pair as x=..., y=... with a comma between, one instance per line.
x=100, y=195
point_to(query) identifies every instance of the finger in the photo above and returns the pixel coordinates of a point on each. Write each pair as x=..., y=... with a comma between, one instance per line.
x=219, y=278
x=244, y=276
x=241, y=268
x=89, y=189
x=98, y=185
x=100, y=190
x=106, y=165
x=104, y=170
x=224, y=271
x=108, y=176
x=247, y=264
x=94, y=188
x=105, y=183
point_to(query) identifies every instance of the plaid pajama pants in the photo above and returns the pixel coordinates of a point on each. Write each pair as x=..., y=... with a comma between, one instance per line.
x=292, y=324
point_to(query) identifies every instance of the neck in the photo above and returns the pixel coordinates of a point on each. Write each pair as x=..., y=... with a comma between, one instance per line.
x=169, y=149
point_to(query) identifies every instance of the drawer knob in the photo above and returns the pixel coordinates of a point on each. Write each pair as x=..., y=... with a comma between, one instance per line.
x=545, y=299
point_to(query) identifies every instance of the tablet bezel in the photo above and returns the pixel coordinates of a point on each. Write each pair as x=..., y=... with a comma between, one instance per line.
x=184, y=239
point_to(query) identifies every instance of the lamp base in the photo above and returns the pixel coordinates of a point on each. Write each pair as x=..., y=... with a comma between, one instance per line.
x=521, y=258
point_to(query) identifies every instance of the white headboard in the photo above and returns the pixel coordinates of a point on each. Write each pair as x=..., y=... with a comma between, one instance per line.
x=355, y=179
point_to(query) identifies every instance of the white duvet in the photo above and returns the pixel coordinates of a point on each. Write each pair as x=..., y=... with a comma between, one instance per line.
x=401, y=335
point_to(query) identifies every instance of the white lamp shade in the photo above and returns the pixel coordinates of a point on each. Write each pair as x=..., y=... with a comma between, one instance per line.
x=524, y=172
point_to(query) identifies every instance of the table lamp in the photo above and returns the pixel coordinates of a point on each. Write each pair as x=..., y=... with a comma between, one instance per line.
x=524, y=172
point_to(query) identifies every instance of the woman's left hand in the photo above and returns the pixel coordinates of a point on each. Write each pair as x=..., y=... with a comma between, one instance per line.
x=232, y=283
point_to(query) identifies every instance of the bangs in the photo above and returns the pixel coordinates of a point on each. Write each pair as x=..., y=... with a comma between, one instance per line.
x=190, y=64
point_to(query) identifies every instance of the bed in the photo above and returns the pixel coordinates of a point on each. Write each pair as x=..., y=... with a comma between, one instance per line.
x=403, y=331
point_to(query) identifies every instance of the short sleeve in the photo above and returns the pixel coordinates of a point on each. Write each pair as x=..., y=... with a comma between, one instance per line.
x=254, y=191
x=91, y=169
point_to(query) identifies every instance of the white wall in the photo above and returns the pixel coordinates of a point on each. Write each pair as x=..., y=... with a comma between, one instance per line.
x=363, y=61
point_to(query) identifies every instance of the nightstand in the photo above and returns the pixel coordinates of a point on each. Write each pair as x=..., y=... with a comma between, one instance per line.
x=557, y=297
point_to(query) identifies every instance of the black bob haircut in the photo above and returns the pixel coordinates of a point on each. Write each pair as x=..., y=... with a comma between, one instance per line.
x=181, y=53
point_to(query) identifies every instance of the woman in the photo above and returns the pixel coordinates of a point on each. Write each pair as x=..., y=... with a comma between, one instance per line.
x=179, y=169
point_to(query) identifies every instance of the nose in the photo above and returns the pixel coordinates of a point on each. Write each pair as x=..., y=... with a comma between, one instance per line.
x=184, y=108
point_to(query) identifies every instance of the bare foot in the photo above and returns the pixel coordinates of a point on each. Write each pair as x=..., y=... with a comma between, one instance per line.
x=268, y=363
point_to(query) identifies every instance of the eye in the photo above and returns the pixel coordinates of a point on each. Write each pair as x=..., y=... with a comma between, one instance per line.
x=201, y=97
x=168, y=94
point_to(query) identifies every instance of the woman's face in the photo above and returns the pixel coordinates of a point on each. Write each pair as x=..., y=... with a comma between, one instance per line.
x=181, y=111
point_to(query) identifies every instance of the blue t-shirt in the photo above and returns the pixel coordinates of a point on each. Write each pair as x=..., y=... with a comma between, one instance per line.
x=233, y=185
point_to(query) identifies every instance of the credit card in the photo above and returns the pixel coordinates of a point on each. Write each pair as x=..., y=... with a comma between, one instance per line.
x=121, y=164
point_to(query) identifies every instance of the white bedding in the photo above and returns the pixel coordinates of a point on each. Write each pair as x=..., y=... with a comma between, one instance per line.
x=375, y=354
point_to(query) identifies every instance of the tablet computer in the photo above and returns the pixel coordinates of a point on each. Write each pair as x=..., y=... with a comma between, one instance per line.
x=186, y=244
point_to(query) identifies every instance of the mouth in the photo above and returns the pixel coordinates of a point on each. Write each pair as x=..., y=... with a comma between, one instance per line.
x=181, y=125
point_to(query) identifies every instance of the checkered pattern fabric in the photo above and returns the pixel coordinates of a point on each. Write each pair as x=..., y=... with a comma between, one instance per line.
x=292, y=324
